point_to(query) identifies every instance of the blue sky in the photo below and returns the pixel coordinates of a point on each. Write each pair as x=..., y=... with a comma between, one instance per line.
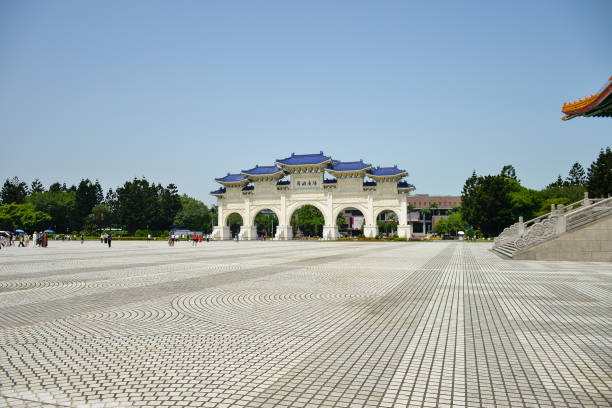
x=186, y=91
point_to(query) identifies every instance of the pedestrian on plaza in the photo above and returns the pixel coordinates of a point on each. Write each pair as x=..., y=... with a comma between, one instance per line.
x=26, y=239
x=194, y=241
x=21, y=241
x=149, y=237
x=101, y=238
x=200, y=239
x=109, y=238
x=45, y=240
x=82, y=238
x=34, y=239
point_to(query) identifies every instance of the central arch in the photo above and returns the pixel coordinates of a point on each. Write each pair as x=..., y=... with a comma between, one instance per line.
x=315, y=225
x=265, y=221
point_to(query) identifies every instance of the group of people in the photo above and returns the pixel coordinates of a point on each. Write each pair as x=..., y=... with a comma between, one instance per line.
x=195, y=239
x=39, y=239
x=106, y=238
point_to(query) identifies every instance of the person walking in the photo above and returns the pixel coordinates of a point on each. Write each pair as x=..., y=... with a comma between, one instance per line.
x=21, y=241
x=26, y=239
x=82, y=238
x=110, y=238
x=45, y=240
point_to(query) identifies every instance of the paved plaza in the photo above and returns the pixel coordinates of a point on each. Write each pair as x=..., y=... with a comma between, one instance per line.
x=273, y=324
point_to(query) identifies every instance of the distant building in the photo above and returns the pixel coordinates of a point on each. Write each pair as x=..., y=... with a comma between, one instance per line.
x=444, y=205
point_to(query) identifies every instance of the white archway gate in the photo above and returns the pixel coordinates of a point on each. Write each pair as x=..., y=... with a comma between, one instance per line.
x=300, y=180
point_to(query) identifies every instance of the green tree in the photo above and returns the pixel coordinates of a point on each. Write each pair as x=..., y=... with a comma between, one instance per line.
x=341, y=222
x=37, y=187
x=308, y=220
x=137, y=204
x=576, y=175
x=100, y=216
x=487, y=203
x=59, y=205
x=557, y=183
x=599, y=182
x=13, y=216
x=87, y=196
x=193, y=214
x=508, y=171
x=441, y=226
x=14, y=191
x=455, y=222
x=169, y=205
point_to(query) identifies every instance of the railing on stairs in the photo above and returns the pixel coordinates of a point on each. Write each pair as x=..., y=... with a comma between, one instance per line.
x=559, y=220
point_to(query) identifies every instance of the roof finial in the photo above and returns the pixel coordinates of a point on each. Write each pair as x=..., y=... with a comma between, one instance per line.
x=321, y=152
x=292, y=154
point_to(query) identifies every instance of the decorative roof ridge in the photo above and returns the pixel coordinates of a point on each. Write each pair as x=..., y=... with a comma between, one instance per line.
x=581, y=105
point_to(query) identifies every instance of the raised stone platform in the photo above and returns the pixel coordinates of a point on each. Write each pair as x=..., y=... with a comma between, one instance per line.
x=301, y=324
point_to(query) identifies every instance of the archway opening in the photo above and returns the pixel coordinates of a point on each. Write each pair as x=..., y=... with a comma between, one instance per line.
x=307, y=222
x=386, y=222
x=234, y=222
x=350, y=222
x=266, y=222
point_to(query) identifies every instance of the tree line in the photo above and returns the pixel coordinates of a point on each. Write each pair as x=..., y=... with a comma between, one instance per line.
x=493, y=202
x=138, y=207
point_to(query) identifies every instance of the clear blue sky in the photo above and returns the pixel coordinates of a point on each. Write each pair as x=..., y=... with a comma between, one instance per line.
x=185, y=91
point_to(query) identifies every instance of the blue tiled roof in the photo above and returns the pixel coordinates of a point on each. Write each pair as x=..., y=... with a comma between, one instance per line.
x=297, y=159
x=386, y=171
x=404, y=184
x=349, y=166
x=248, y=188
x=283, y=182
x=369, y=184
x=260, y=170
x=330, y=181
x=219, y=191
x=231, y=178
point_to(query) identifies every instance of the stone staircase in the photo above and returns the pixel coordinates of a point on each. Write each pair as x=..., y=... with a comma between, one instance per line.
x=560, y=220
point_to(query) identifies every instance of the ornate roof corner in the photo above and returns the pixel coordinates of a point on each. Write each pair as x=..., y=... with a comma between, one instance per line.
x=232, y=179
x=218, y=192
x=263, y=171
x=598, y=105
x=387, y=171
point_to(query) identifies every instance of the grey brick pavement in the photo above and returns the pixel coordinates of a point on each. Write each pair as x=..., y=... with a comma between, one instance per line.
x=278, y=324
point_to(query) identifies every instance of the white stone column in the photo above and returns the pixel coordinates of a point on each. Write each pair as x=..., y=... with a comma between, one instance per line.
x=247, y=230
x=283, y=230
x=403, y=229
x=220, y=231
x=330, y=230
x=370, y=230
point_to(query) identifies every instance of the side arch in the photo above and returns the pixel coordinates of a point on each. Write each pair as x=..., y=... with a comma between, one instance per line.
x=227, y=213
x=360, y=207
x=396, y=210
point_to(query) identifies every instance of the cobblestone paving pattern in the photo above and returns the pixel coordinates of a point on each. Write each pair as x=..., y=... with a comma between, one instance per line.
x=279, y=324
